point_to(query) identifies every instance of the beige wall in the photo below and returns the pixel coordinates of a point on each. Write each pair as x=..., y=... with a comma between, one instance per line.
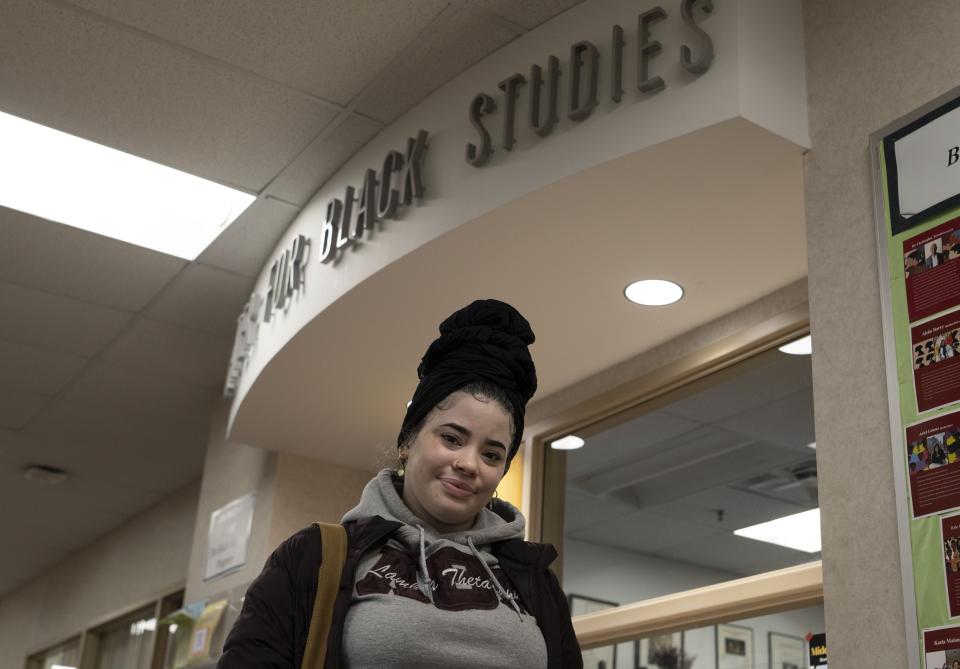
x=141, y=560
x=308, y=491
x=291, y=492
x=231, y=470
x=868, y=63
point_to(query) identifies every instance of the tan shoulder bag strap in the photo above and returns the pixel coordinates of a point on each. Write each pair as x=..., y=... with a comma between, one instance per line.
x=333, y=546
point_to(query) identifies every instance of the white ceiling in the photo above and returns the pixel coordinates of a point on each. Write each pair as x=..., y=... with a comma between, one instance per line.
x=667, y=478
x=111, y=356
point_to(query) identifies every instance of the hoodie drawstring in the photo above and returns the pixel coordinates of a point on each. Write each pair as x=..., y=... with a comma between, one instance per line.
x=424, y=582
x=506, y=596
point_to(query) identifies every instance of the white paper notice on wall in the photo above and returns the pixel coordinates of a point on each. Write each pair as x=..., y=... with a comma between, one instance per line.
x=928, y=164
x=230, y=527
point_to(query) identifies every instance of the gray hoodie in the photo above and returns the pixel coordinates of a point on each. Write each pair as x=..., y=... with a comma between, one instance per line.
x=425, y=599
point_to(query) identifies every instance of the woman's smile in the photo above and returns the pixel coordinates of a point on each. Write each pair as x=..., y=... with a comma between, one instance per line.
x=457, y=488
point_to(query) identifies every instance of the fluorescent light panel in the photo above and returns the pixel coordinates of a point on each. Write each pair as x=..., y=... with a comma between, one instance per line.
x=62, y=178
x=802, y=346
x=800, y=531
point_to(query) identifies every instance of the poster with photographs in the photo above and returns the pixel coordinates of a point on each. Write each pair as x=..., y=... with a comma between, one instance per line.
x=941, y=647
x=594, y=658
x=786, y=652
x=661, y=650
x=950, y=540
x=933, y=464
x=734, y=647
x=936, y=361
x=931, y=271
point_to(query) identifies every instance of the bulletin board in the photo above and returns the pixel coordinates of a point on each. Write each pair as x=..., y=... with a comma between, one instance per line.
x=916, y=164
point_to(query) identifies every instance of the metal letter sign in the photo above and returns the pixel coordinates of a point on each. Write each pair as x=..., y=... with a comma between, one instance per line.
x=399, y=184
x=349, y=217
x=583, y=69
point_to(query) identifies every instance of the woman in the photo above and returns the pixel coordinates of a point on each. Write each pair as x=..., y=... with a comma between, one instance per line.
x=437, y=573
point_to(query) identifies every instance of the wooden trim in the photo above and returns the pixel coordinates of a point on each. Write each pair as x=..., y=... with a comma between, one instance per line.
x=535, y=455
x=791, y=588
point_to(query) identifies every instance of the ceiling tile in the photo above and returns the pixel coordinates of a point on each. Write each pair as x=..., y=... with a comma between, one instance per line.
x=455, y=45
x=35, y=370
x=132, y=393
x=754, y=383
x=528, y=14
x=740, y=508
x=786, y=422
x=583, y=511
x=245, y=246
x=173, y=352
x=61, y=259
x=301, y=179
x=17, y=407
x=643, y=532
x=729, y=552
x=203, y=298
x=58, y=323
x=100, y=445
x=629, y=441
x=330, y=48
x=106, y=83
x=61, y=518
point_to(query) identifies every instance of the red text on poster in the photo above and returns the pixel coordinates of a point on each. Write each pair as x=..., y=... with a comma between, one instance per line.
x=950, y=538
x=936, y=361
x=933, y=463
x=931, y=269
x=941, y=647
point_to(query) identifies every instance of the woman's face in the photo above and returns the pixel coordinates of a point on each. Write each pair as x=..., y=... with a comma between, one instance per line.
x=455, y=462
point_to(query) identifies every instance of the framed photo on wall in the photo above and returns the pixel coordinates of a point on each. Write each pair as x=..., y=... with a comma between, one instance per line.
x=786, y=652
x=734, y=647
x=594, y=658
x=659, y=651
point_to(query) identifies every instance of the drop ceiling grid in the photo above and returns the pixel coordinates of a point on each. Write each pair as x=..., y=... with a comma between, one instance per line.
x=454, y=45
x=769, y=402
x=92, y=79
x=627, y=442
x=330, y=49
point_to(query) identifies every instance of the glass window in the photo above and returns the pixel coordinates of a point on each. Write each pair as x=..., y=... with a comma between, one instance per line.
x=127, y=643
x=64, y=656
x=666, y=497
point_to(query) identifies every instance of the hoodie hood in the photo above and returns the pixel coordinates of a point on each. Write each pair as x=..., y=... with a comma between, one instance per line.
x=381, y=497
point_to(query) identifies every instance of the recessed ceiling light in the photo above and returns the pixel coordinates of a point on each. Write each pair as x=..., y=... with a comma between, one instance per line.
x=653, y=292
x=568, y=443
x=802, y=346
x=65, y=179
x=812, y=445
x=44, y=474
x=800, y=531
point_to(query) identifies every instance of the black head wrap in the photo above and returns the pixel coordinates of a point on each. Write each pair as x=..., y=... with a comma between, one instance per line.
x=484, y=341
